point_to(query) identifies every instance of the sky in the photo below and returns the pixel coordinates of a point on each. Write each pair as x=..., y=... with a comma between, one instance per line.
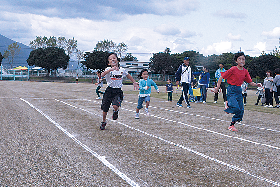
x=149, y=26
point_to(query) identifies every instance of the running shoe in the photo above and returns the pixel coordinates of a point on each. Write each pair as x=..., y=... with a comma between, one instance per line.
x=188, y=106
x=115, y=115
x=226, y=104
x=147, y=112
x=232, y=128
x=215, y=101
x=102, y=126
x=136, y=115
x=179, y=105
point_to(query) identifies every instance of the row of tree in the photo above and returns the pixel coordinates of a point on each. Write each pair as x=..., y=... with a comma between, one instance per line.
x=167, y=64
x=53, y=53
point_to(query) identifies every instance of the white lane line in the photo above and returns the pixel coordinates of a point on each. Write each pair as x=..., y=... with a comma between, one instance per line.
x=237, y=168
x=218, y=133
x=214, y=132
x=251, y=126
x=101, y=158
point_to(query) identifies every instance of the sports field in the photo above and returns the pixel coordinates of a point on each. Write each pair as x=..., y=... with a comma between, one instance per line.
x=50, y=137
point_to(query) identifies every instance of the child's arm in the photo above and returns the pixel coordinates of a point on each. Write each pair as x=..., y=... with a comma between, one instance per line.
x=109, y=70
x=155, y=86
x=216, y=89
x=255, y=84
x=135, y=84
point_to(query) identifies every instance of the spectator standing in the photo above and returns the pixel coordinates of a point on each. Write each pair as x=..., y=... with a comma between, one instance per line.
x=276, y=81
x=268, y=88
x=169, y=90
x=203, y=83
x=184, y=75
x=223, y=83
x=260, y=93
x=244, y=87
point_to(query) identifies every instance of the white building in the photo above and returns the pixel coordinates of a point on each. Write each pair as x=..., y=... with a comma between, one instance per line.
x=134, y=66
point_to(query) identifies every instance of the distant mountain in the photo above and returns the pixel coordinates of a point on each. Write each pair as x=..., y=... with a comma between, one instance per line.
x=20, y=60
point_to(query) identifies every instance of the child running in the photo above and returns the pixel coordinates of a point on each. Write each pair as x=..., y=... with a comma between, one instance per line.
x=145, y=85
x=235, y=76
x=113, y=94
x=99, y=83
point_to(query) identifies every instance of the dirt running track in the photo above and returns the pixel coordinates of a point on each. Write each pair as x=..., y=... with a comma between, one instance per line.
x=50, y=137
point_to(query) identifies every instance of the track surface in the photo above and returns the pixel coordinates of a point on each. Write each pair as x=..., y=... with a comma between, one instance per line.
x=50, y=137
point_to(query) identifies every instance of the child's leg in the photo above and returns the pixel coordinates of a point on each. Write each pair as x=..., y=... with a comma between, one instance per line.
x=104, y=116
x=97, y=91
x=147, y=104
x=116, y=108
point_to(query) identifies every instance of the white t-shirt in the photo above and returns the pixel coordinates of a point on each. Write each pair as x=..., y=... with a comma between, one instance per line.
x=114, y=78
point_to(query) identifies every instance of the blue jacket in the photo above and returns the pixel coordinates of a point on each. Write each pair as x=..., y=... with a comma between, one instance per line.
x=204, y=78
x=143, y=91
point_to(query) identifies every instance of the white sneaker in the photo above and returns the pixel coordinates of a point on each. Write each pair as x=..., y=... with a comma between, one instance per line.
x=147, y=112
x=226, y=104
x=215, y=101
x=98, y=98
x=204, y=102
x=136, y=115
x=270, y=106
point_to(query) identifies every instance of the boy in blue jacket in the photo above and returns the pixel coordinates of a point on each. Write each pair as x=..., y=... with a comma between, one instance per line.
x=203, y=83
x=145, y=85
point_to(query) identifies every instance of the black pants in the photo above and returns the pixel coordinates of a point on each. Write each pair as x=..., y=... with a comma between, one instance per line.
x=169, y=96
x=223, y=87
x=268, y=96
x=186, y=87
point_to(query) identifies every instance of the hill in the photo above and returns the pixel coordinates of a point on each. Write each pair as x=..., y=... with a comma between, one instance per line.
x=20, y=60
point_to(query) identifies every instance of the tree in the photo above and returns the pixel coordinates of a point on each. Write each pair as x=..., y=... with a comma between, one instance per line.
x=164, y=63
x=195, y=59
x=50, y=58
x=261, y=64
x=111, y=46
x=1, y=57
x=96, y=60
x=69, y=45
x=12, y=52
x=105, y=45
x=129, y=57
x=121, y=48
x=80, y=56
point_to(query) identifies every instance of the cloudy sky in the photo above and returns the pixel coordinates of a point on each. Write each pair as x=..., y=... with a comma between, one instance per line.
x=149, y=26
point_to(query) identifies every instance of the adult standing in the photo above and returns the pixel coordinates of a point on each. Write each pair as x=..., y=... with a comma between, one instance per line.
x=223, y=83
x=276, y=81
x=268, y=88
x=184, y=75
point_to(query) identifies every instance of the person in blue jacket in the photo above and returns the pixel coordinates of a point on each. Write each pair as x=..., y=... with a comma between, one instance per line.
x=203, y=82
x=145, y=85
